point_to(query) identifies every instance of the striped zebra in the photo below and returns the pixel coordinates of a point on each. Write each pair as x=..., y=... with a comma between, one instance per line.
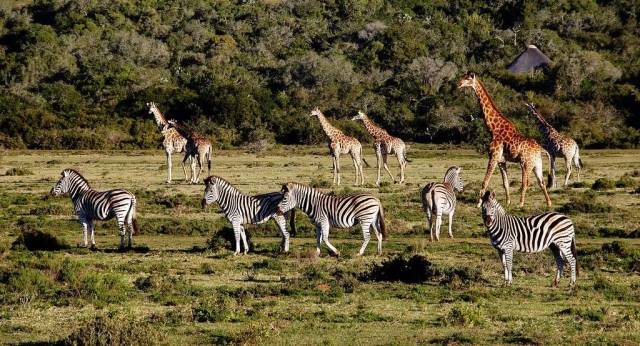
x=529, y=234
x=326, y=211
x=93, y=205
x=440, y=198
x=241, y=209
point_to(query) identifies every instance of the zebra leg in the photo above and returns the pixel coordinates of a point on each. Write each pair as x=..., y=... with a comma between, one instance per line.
x=123, y=232
x=325, y=239
x=438, y=224
x=430, y=223
x=505, y=179
x=366, y=235
x=559, y=264
x=378, y=236
x=244, y=239
x=571, y=259
x=450, y=224
x=84, y=232
x=509, y=259
x=236, y=234
x=93, y=238
x=169, y=166
x=282, y=222
x=503, y=259
x=318, y=238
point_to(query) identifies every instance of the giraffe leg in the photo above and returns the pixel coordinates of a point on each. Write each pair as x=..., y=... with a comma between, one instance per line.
x=355, y=167
x=184, y=169
x=567, y=165
x=495, y=156
x=386, y=167
x=401, y=163
x=553, y=182
x=201, y=159
x=379, y=159
x=338, y=166
x=526, y=167
x=537, y=170
x=194, y=163
x=169, y=164
x=505, y=179
x=335, y=170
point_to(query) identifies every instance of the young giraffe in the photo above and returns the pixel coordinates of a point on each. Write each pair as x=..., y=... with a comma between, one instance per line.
x=198, y=149
x=384, y=145
x=339, y=144
x=558, y=145
x=507, y=144
x=178, y=140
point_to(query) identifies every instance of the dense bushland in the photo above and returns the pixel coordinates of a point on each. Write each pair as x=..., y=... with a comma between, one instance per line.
x=77, y=74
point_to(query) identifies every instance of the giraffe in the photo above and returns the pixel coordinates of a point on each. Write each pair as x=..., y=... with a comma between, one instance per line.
x=178, y=140
x=507, y=144
x=558, y=145
x=198, y=149
x=385, y=144
x=339, y=144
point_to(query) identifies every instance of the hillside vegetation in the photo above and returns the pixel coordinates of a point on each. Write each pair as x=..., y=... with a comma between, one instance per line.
x=242, y=71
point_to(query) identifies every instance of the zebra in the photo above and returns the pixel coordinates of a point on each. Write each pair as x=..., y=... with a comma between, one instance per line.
x=326, y=211
x=241, y=209
x=93, y=205
x=529, y=234
x=440, y=198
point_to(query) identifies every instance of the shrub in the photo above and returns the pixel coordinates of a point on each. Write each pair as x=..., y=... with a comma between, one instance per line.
x=595, y=315
x=603, y=184
x=585, y=203
x=103, y=288
x=111, y=329
x=50, y=209
x=221, y=309
x=463, y=315
x=29, y=284
x=317, y=182
x=625, y=181
x=225, y=239
x=18, y=171
x=167, y=290
x=34, y=240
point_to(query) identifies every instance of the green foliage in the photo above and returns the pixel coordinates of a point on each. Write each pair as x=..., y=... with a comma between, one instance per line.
x=34, y=240
x=78, y=75
x=18, y=171
x=585, y=203
x=603, y=184
x=115, y=329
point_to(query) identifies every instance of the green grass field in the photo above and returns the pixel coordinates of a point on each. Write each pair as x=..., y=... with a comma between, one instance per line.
x=175, y=289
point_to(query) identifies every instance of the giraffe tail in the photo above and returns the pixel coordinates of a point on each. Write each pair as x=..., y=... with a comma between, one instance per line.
x=405, y=157
x=366, y=163
x=208, y=155
x=550, y=174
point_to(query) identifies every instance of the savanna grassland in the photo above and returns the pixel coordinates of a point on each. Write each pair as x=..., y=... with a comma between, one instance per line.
x=181, y=285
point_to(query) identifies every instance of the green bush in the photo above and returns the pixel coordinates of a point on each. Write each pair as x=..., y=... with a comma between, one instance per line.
x=464, y=316
x=224, y=239
x=115, y=329
x=584, y=203
x=34, y=240
x=625, y=181
x=221, y=309
x=603, y=184
x=18, y=171
x=28, y=284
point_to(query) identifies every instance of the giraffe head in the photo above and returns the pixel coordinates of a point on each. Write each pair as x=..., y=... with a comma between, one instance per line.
x=468, y=80
x=315, y=112
x=360, y=116
x=160, y=120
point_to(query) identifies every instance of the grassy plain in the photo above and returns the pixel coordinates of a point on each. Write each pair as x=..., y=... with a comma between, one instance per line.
x=176, y=290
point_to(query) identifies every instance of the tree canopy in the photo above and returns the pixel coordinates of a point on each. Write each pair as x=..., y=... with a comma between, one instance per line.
x=77, y=74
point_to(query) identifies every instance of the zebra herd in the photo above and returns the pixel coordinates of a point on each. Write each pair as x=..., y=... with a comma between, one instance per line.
x=507, y=233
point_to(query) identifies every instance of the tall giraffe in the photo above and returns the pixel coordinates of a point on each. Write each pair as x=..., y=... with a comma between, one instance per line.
x=507, y=144
x=384, y=145
x=558, y=145
x=178, y=140
x=339, y=144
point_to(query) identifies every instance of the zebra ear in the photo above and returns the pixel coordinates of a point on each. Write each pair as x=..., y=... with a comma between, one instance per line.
x=492, y=195
x=65, y=173
x=207, y=181
x=487, y=195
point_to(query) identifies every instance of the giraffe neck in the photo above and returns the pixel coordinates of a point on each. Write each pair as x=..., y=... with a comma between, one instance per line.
x=545, y=128
x=374, y=130
x=492, y=116
x=329, y=129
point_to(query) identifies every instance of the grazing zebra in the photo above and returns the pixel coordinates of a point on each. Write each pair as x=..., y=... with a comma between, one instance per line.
x=440, y=198
x=241, y=209
x=529, y=234
x=93, y=205
x=326, y=211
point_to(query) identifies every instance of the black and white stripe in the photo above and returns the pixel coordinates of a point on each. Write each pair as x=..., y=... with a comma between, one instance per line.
x=93, y=205
x=440, y=198
x=510, y=233
x=241, y=209
x=342, y=212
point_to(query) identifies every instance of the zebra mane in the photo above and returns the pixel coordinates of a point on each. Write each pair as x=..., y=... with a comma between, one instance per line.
x=222, y=181
x=73, y=171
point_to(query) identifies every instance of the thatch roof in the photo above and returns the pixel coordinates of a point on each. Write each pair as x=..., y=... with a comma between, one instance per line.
x=529, y=60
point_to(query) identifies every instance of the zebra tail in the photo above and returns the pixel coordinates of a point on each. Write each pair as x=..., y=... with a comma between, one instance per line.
x=134, y=218
x=574, y=252
x=292, y=222
x=381, y=224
